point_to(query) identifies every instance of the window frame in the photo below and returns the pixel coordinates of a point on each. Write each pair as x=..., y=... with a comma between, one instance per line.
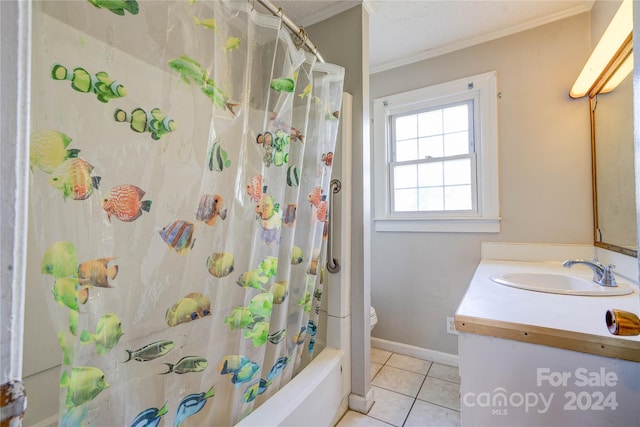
x=482, y=89
x=471, y=155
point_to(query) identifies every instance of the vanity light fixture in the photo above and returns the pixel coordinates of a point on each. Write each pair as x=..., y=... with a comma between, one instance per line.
x=619, y=75
x=614, y=37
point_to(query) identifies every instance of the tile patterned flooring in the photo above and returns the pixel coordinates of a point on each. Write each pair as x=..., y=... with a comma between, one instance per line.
x=409, y=392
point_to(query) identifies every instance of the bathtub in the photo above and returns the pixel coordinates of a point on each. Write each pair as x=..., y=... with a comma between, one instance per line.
x=313, y=397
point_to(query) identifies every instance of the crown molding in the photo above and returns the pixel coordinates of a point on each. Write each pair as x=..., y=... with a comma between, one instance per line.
x=328, y=12
x=432, y=53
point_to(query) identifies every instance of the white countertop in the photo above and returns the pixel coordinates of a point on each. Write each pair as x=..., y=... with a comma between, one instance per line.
x=544, y=318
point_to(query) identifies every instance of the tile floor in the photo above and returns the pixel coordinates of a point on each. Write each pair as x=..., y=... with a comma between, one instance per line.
x=409, y=392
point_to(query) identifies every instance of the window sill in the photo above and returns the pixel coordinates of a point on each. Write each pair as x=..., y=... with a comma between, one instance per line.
x=438, y=225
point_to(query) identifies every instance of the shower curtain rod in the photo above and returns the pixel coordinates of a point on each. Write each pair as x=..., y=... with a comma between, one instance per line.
x=298, y=31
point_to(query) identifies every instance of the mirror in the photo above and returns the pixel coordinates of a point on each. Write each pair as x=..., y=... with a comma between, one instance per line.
x=614, y=204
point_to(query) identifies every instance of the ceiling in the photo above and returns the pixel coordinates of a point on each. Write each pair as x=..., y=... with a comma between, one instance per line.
x=407, y=31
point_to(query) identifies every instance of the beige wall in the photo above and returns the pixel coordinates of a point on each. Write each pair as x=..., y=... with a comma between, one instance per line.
x=343, y=40
x=545, y=175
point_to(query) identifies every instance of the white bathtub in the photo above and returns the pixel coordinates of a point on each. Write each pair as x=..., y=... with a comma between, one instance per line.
x=313, y=398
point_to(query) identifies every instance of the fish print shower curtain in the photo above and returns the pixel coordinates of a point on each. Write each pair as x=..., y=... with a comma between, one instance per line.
x=181, y=156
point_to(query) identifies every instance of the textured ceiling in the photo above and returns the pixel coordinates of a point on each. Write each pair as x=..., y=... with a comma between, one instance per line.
x=406, y=31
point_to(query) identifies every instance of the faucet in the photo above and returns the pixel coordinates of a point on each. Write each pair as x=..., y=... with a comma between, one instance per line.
x=602, y=275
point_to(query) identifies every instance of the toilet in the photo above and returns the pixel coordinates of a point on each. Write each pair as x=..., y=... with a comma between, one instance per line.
x=374, y=317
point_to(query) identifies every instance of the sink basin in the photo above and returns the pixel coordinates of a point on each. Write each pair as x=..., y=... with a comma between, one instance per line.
x=559, y=284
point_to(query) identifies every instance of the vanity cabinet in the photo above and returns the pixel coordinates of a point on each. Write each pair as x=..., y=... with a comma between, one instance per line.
x=511, y=383
x=533, y=358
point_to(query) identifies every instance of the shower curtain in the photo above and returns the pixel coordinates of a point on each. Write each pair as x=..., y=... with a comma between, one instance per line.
x=180, y=157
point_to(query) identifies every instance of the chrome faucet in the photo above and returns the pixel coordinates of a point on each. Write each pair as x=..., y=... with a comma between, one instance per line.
x=601, y=275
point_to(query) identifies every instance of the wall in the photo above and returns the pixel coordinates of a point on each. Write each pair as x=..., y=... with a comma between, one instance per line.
x=343, y=40
x=545, y=176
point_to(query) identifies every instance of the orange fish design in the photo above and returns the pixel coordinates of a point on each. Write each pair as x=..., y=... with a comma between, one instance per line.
x=210, y=208
x=125, y=203
x=315, y=196
x=328, y=158
x=296, y=135
x=97, y=273
x=321, y=212
x=73, y=177
x=254, y=188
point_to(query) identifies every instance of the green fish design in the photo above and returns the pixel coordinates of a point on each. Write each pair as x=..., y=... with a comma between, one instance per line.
x=305, y=302
x=279, y=291
x=269, y=266
x=209, y=23
x=83, y=384
x=48, y=150
x=218, y=158
x=240, y=318
x=103, y=86
x=253, y=279
x=73, y=322
x=65, y=292
x=217, y=96
x=155, y=121
x=192, y=72
x=66, y=345
x=232, y=43
x=108, y=333
x=283, y=84
x=296, y=255
x=189, y=70
x=60, y=260
x=74, y=179
x=258, y=334
x=261, y=305
x=117, y=6
x=306, y=92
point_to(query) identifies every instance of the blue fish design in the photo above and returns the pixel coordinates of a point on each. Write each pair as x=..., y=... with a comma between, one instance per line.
x=245, y=374
x=149, y=417
x=242, y=370
x=263, y=385
x=300, y=336
x=179, y=236
x=74, y=417
x=277, y=368
x=255, y=390
x=312, y=328
x=190, y=405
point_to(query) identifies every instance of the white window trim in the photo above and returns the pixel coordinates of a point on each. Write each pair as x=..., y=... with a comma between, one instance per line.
x=484, y=87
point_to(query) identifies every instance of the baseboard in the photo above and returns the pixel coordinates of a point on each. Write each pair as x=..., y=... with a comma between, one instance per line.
x=413, y=351
x=51, y=421
x=361, y=404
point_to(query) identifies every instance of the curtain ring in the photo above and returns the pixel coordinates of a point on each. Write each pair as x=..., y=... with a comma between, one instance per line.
x=302, y=38
x=281, y=14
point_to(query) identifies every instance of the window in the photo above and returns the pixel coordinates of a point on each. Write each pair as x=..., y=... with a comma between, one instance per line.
x=436, y=158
